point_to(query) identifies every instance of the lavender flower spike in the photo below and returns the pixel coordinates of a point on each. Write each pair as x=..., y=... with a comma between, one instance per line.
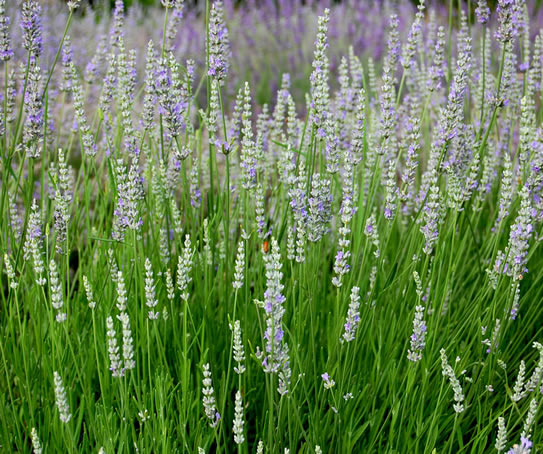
x=6, y=52
x=219, y=45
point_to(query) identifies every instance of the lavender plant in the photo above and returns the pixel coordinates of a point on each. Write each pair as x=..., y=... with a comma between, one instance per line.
x=297, y=227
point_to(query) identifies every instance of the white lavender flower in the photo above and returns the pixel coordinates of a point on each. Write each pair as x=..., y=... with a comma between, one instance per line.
x=209, y=397
x=448, y=371
x=537, y=375
x=519, y=383
x=73, y=4
x=259, y=212
x=87, y=138
x=88, y=292
x=208, y=256
x=36, y=444
x=501, y=438
x=529, y=421
x=195, y=193
x=170, y=289
x=413, y=38
x=238, y=420
x=115, y=364
x=61, y=399
x=57, y=300
x=150, y=296
x=184, y=268
x=239, y=353
x=128, y=349
x=239, y=266
x=391, y=191
x=319, y=76
x=121, y=292
x=418, y=338
x=248, y=147
x=10, y=272
x=353, y=316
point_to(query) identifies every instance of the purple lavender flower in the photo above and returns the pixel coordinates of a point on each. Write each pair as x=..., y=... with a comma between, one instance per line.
x=508, y=20
x=129, y=193
x=320, y=204
x=219, y=45
x=482, y=12
x=418, y=338
x=33, y=126
x=31, y=27
x=276, y=356
x=172, y=96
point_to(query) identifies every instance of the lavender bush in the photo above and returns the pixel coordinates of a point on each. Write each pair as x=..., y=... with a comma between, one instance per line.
x=220, y=239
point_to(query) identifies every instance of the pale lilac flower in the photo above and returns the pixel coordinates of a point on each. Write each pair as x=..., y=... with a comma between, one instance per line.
x=33, y=104
x=33, y=243
x=129, y=193
x=353, y=316
x=328, y=381
x=525, y=447
x=418, y=338
x=319, y=205
x=275, y=359
x=371, y=232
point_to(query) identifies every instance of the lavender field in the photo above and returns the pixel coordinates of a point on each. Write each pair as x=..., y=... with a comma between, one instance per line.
x=271, y=227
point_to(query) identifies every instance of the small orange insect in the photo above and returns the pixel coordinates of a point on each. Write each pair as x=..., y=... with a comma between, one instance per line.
x=266, y=246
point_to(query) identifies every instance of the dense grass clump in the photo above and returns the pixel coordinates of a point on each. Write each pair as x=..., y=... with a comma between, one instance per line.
x=354, y=266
